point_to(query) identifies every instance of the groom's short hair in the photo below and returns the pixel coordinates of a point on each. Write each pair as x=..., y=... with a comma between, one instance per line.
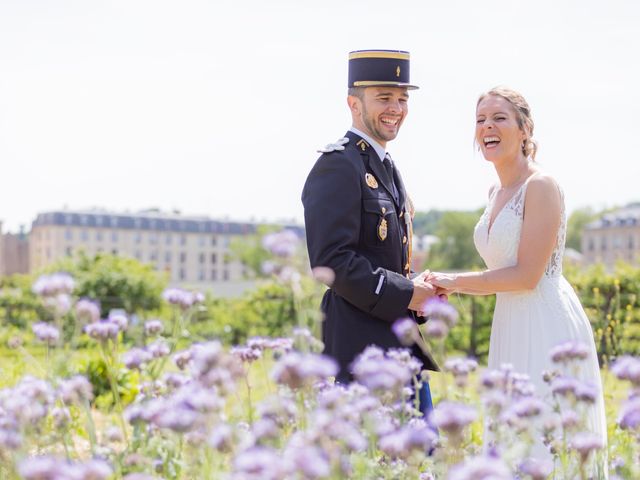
x=356, y=92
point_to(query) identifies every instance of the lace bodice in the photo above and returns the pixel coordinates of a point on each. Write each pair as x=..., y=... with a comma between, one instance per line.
x=498, y=243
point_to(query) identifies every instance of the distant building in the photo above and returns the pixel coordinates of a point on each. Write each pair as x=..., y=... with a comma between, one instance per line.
x=14, y=253
x=193, y=251
x=613, y=237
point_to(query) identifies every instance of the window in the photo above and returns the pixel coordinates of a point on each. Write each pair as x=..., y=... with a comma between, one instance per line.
x=138, y=237
x=84, y=235
x=214, y=241
x=591, y=245
x=114, y=237
x=616, y=242
x=69, y=251
x=201, y=257
x=167, y=257
x=214, y=275
x=153, y=256
x=153, y=238
x=181, y=274
x=99, y=236
x=225, y=275
x=183, y=257
x=68, y=234
x=168, y=239
x=603, y=244
x=201, y=275
x=214, y=258
x=138, y=255
x=183, y=239
x=202, y=241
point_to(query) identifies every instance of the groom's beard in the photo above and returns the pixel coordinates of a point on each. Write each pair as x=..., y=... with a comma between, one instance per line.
x=375, y=130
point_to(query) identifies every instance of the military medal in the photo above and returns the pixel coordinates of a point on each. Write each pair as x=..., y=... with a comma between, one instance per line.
x=371, y=180
x=382, y=229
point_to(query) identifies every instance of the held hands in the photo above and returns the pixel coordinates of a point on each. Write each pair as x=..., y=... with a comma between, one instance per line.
x=445, y=281
x=423, y=290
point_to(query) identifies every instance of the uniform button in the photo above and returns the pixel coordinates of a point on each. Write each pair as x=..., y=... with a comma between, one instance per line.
x=384, y=210
x=404, y=239
x=401, y=214
x=406, y=267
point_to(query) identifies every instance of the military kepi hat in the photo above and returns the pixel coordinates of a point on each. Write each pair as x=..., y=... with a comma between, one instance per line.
x=375, y=68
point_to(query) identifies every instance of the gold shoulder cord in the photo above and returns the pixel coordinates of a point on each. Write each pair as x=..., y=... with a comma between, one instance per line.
x=408, y=218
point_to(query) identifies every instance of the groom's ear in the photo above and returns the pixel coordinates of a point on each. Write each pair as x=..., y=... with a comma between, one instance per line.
x=355, y=104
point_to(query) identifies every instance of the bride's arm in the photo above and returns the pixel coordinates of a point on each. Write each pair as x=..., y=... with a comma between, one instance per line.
x=537, y=241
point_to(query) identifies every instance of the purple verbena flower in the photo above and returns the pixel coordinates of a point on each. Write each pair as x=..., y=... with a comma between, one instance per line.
x=629, y=418
x=452, y=417
x=585, y=443
x=87, y=311
x=324, y=275
x=536, y=469
x=136, y=358
x=437, y=308
x=381, y=374
x=159, y=349
x=102, y=330
x=46, y=333
x=120, y=319
x=246, y=354
x=627, y=368
x=53, y=285
x=222, y=438
x=481, y=468
x=406, y=330
x=75, y=390
x=153, y=327
x=297, y=370
x=281, y=244
x=182, y=298
x=568, y=352
x=259, y=463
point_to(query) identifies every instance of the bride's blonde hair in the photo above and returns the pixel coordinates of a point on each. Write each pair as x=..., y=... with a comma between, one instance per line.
x=523, y=115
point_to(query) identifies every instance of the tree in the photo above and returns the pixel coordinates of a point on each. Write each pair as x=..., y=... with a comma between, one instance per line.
x=426, y=223
x=455, y=249
x=116, y=282
x=575, y=225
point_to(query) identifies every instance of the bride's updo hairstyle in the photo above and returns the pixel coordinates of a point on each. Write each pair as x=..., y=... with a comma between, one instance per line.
x=523, y=114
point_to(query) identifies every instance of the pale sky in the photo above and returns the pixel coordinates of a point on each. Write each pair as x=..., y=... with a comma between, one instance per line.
x=218, y=107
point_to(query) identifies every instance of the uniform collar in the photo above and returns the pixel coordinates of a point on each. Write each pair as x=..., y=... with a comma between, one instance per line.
x=376, y=146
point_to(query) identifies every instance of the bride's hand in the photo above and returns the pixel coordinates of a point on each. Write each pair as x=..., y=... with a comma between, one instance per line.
x=445, y=281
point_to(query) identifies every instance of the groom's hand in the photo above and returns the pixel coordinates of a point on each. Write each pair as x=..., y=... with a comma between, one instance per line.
x=422, y=291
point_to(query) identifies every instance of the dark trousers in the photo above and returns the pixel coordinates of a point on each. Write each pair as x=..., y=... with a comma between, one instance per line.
x=425, y=403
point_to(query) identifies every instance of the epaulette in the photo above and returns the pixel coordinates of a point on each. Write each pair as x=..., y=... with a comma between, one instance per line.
x=332, y=147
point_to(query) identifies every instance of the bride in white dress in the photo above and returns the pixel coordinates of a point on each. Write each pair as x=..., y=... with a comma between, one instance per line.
x=521, y=238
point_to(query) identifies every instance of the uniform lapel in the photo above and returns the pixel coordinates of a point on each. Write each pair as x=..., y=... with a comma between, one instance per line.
x=402, y=193
x=375, y=164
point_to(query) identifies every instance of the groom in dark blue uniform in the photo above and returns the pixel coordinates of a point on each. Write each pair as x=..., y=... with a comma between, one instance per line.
x=358, y=219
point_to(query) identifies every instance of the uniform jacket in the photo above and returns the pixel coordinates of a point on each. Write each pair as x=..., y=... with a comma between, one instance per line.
x=354, y=226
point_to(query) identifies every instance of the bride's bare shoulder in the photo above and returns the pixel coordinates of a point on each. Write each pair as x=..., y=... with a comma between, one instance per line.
x=543, y=188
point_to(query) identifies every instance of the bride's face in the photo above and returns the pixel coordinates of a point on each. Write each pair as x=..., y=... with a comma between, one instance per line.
x=497, y=131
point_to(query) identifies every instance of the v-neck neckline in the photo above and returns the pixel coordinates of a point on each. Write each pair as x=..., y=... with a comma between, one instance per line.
x=493, y=204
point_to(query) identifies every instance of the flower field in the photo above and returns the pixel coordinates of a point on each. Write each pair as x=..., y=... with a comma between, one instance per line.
x=89, y=396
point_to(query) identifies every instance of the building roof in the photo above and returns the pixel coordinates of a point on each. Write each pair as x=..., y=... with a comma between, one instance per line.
x=628, y=216
x=146, y=220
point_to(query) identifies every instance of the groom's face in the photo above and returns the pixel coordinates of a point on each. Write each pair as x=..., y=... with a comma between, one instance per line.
x=380, y=111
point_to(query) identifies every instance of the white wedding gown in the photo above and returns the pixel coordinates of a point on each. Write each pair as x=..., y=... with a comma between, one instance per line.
x=528, y=324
